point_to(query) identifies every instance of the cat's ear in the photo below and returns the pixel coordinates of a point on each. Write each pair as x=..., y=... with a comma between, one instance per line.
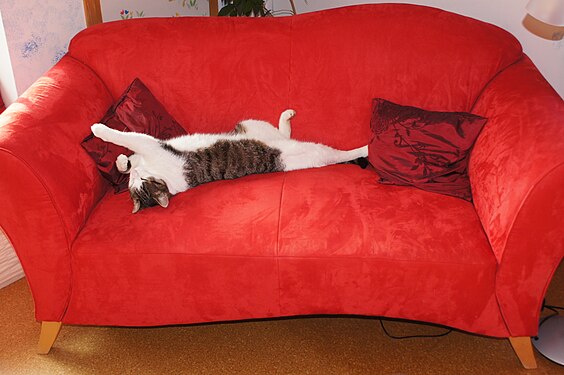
x=162, y=199
x=136, y=205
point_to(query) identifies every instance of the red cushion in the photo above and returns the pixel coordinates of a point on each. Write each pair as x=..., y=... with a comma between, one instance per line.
x=425, y=149
x=137, y=110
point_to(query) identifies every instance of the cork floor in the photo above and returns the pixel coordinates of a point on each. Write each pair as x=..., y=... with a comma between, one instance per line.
x=313, y=345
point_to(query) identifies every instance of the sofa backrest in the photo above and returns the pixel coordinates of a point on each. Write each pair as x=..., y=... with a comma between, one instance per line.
x=212, y=72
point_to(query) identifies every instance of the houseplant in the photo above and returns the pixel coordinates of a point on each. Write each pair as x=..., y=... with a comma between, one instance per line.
x=235, y=8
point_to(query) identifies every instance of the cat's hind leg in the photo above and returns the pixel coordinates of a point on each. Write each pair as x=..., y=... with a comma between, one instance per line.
x=302, y=155
x=284, y=125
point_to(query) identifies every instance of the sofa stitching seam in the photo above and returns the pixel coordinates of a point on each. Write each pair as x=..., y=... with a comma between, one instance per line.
x=489, y=82
x=333, y=257
x=277, y=246
x=93, y=72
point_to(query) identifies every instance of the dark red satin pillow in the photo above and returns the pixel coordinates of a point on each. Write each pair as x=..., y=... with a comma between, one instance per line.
x=425, y=149
x=137, y=110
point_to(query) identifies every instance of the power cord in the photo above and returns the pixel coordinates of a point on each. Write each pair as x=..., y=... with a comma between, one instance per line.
x=412, y=336
x=552, y=308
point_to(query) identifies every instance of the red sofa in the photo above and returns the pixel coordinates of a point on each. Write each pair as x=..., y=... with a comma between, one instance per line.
x=322, y=241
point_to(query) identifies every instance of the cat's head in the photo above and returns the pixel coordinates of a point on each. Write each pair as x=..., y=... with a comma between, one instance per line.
x=145, y=190
x=149, y=192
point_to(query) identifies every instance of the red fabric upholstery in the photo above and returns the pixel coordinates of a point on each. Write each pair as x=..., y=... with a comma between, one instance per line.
x=517, y=174
x=285, y=223
x=190, y=65
x=426, y=57
x=326, y=65
x=209, y=256
x=53, y=184
x=328, y=240
x=350, y=245
x=137, y=110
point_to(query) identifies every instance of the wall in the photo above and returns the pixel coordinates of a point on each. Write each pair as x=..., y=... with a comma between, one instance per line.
x=8, y=89
x=547, y=55
x=37, y=33
x=34, y=35
x=113, y=10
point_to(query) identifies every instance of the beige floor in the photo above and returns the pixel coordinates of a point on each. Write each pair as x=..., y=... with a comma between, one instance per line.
x=335, y=345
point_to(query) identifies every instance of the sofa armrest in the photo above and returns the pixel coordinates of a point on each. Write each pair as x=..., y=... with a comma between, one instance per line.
x=49, y=184
x=517, y=176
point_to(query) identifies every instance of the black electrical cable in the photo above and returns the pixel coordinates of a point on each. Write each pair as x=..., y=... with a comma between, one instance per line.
x=552, y=307
x=412, y=336
x=555, y=312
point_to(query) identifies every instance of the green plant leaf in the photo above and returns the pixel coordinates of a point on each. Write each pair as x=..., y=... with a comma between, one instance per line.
x=227, y=10
x=247, y=8
x=243, y=8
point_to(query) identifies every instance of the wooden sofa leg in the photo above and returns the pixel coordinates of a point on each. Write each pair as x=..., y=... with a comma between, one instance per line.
x=523, y=347
x=48, y=335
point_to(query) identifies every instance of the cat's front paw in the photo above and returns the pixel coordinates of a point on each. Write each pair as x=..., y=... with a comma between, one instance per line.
x=122, y=163
x=101, y=131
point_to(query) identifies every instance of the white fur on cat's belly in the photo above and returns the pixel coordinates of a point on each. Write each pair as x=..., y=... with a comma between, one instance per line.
x=254, y=129
x=193, y=142
x=260, y=130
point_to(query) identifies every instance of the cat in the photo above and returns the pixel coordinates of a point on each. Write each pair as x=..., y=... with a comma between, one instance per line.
x=159, y=169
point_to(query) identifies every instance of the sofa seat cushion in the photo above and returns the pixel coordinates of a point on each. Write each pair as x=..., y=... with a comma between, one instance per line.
x=349, y=245
x=343, y=211
x=209, y=256
x=237, y=217
x=321, y=241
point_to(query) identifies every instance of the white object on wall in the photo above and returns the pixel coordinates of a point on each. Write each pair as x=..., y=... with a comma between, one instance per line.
x=10, y=267
x=548, y=11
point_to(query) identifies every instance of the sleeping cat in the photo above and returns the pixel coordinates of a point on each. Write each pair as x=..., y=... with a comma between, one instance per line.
x=159, y=169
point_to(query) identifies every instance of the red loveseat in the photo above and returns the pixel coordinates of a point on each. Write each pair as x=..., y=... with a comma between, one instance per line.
x=322, y=241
